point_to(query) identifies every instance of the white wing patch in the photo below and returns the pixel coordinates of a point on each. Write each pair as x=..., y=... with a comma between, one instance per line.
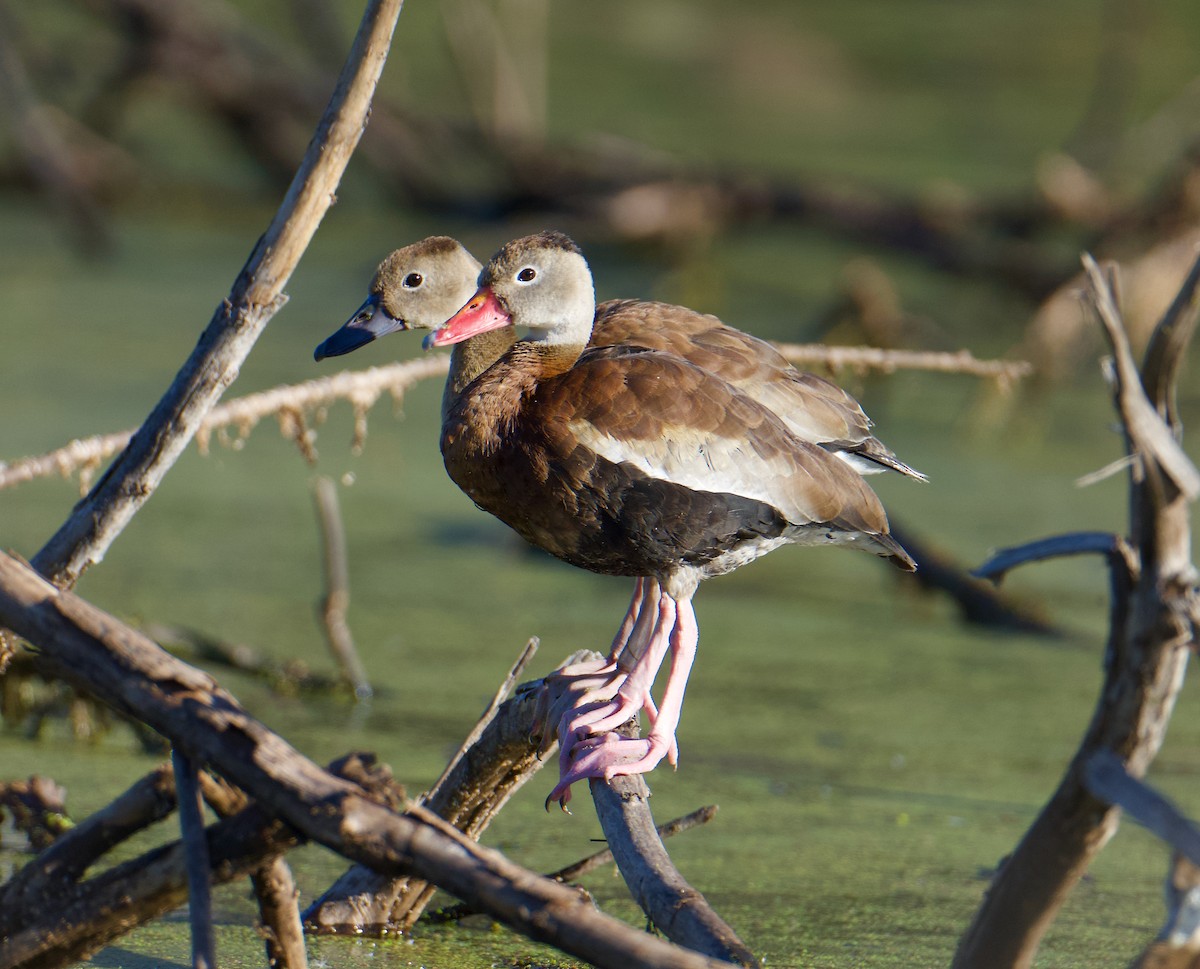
x=698, y=461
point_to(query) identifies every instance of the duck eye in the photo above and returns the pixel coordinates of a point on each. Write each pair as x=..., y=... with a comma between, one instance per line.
x=413, y=280
x=527, y=274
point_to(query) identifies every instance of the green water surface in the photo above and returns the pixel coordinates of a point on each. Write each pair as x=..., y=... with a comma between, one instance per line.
x=872, y=756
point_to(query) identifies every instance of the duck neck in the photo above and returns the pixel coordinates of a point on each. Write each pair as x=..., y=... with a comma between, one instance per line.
x=471, y=358
x=545, y=360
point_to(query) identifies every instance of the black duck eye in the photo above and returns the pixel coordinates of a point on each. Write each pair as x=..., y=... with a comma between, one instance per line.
x=413, y=280
x=527, y=275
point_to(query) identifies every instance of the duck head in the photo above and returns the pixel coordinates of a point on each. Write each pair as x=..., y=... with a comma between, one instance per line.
x=540, y=283
x=417, y=287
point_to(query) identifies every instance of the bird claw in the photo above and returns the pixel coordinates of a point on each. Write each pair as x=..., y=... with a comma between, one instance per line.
x=567, y=689
x=610, y=755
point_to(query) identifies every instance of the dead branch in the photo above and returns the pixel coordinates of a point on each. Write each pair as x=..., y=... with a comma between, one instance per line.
x=60, y=928
x=978, y=602
x=495, y=761
x=290, y=676
x=1113, y=547
x=337, y=585
x=1178, y=942
x=861, y=359
x=680, y=912
x=1149, y=436
x=195, y=849
x=361, y=388
x=1151, y=631
x=279, y=912
x=489, y=714
x=1107, y=778
x=575, y=870
x=255, y=297
x=95, y=651
x=64, y=861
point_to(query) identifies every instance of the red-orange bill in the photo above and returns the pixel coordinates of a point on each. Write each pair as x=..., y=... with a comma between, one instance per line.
x=482, y=313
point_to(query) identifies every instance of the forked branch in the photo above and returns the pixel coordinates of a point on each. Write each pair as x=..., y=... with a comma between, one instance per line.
x=1151, y=634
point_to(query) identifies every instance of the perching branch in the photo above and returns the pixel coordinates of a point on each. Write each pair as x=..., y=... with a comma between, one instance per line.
x=680, y=912
x=95, y=651
x=255, y=297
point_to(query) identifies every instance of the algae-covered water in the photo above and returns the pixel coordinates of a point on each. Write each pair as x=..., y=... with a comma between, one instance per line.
x=873, y=757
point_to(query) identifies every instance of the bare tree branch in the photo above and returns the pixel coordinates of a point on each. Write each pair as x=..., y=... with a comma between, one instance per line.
x=494, y=762
x=1147, y=430
x=1107, y=778
x=1152, y=630
x=680, y=912
x=578, y=869
x=255, y=297
x=95, y=651
x=1115, y=548
x=278, y=907
x=337, y=589
x=195, y=843
x=1005, y=372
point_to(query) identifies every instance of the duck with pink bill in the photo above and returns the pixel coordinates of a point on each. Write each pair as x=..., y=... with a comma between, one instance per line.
x=625, y=460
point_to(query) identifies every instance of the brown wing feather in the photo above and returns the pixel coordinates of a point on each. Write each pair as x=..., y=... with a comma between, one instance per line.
x=678, y=422
x=815, y=409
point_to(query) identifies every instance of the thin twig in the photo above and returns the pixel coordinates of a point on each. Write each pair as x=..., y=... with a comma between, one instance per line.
x=1147, y=430
x=337, y=585
x=191, y=826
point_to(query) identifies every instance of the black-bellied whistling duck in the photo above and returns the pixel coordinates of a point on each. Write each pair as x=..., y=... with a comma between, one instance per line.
x=629, y=461
x=423, y=284
x=419, y=287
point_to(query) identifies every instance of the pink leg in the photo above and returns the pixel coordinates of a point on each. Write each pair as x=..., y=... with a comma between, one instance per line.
x=621, y=640
x=638, y=641
x=608, y=756
x=590, y=697
x=599, y=717
x=579, y=684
